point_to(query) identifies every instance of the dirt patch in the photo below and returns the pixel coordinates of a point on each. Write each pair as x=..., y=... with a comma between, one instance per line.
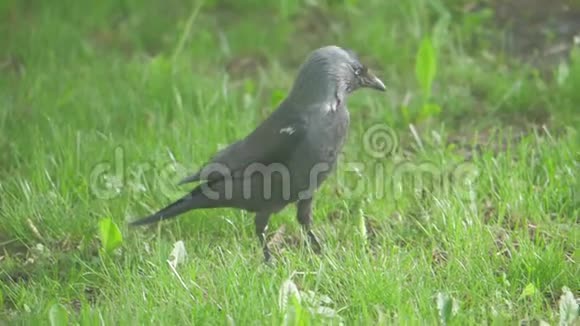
x=538, y=30
x=244, y=66
x=12, y=64
x=312, y=25
x=11, y=247
x=469, y=144
x=109, y=38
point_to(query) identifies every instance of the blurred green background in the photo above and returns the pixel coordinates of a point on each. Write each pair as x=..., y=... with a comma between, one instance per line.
x=104, y=105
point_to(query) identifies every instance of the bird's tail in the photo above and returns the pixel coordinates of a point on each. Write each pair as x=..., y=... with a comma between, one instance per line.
x=193, y=200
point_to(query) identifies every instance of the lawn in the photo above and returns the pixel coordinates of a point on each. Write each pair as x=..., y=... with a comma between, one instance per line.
x=456, y=200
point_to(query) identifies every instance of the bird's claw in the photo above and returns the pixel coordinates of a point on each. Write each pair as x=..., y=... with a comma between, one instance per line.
x=314, y=243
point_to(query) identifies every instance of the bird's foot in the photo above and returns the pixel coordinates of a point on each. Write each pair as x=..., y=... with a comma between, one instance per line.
x=267, y=254
x=314, y=243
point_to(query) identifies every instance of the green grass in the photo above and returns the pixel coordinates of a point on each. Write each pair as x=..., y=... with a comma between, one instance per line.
x=144, y=92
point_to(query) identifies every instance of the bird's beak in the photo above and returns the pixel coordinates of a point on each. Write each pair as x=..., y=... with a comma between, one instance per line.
x=372, y=81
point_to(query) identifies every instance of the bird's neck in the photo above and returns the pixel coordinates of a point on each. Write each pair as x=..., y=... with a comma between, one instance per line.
x=311, y=91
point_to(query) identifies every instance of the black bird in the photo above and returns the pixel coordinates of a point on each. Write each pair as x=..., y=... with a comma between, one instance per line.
x=289, y=154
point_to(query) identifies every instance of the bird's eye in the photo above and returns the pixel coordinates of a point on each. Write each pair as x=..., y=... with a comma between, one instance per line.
x=358, y=71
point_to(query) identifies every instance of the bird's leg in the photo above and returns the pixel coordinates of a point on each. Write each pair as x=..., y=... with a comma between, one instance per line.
x=304, y=215
x=261, y=227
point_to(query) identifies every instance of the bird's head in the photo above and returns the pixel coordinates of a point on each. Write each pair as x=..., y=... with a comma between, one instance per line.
x=334, y=70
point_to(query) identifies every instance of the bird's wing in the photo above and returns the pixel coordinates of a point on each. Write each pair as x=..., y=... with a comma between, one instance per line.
x=272, y=142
